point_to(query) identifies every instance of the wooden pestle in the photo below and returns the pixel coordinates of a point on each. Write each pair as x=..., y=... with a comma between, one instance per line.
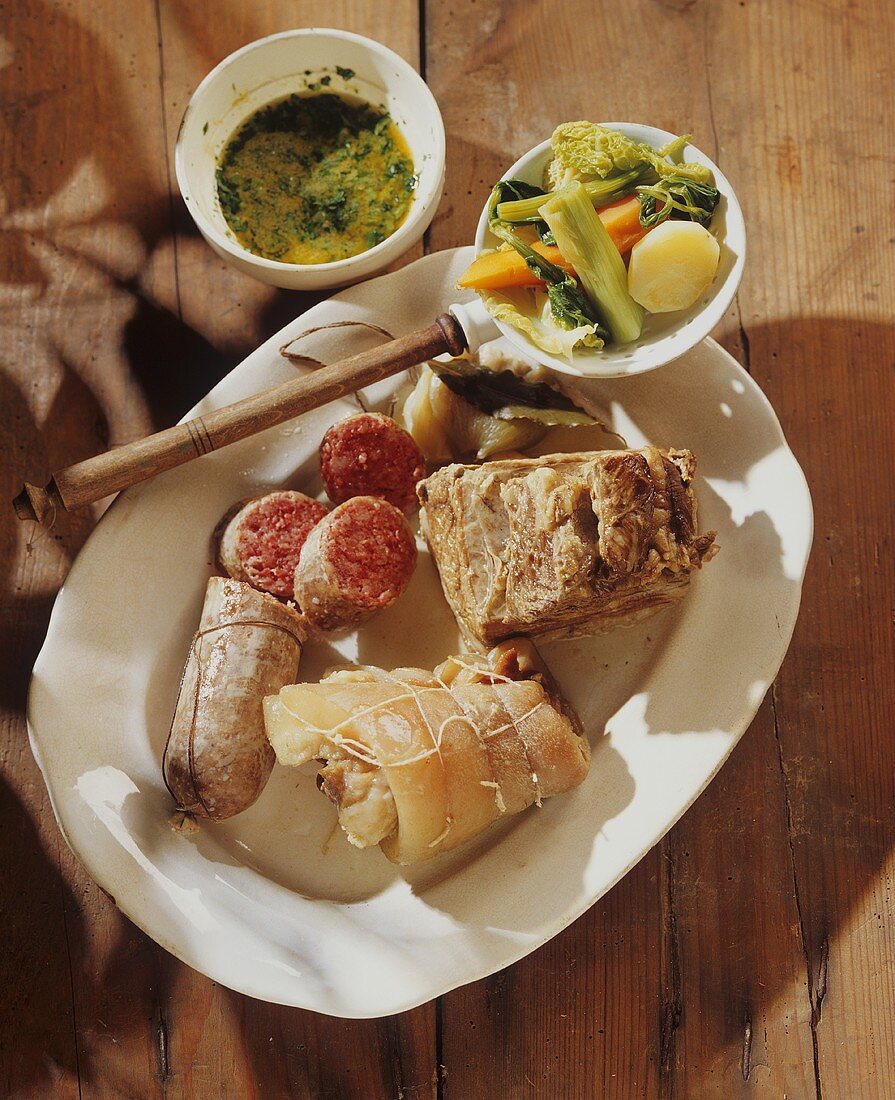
x=95, y=478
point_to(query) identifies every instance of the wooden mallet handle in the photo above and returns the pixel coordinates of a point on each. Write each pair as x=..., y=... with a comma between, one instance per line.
x=95, y=478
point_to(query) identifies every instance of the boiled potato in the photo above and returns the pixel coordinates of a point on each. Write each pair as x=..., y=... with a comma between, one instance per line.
x=672, y=266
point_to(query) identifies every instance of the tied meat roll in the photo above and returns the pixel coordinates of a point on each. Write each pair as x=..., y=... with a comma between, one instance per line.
x=420, y=762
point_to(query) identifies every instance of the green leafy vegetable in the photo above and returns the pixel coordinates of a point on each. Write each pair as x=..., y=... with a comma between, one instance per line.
x=585, y=151
x=568, y=302
x=569, y=305
x=681, y=197
x=507, y=396
x=600, y=193
x=530, y=312
x=511, y=191
x=586, y=245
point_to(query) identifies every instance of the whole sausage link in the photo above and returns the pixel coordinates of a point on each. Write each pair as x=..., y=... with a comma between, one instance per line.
x=217, y=759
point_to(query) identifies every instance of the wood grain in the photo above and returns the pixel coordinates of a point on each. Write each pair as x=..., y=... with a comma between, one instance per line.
x=752, y=953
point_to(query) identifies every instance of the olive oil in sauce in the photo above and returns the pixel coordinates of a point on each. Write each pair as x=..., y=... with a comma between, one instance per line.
x=313, y=178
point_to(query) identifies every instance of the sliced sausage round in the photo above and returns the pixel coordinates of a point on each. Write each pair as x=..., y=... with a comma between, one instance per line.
x=262, y=543
x=357, y=560
x=371, y=455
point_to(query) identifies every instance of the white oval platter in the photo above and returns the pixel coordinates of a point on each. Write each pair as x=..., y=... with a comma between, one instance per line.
x=275, y=903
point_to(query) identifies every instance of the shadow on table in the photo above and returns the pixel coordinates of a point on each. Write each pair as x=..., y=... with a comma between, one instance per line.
x=37, y=1032
x=69, y=431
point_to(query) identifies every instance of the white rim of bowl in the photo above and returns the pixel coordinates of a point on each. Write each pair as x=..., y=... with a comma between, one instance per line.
x=419, y=209
x=702, y=322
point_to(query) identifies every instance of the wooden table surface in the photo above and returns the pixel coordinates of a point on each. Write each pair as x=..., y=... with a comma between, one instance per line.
x=752, y=952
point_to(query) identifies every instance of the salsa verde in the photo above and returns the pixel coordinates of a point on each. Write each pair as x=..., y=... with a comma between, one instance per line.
x=315, y=177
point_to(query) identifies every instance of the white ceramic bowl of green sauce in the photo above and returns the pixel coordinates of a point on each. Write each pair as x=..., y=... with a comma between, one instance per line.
x=294, y=62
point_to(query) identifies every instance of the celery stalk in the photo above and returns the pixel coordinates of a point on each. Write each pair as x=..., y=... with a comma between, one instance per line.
x=585, y=244
x=600, y=193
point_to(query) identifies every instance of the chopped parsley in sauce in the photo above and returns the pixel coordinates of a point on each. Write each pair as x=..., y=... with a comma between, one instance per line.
x=313, y=178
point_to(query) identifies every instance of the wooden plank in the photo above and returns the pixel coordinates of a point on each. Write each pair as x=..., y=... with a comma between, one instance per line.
x=741, y=1017
x=822, y=345
x=577, y=1018
x=77, y=228
x=220, y=1043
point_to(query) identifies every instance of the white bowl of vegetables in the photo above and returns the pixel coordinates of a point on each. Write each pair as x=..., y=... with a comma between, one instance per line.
x=609, y=250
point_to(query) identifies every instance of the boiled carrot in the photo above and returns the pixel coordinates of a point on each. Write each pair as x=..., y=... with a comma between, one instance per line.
x=498, y=270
